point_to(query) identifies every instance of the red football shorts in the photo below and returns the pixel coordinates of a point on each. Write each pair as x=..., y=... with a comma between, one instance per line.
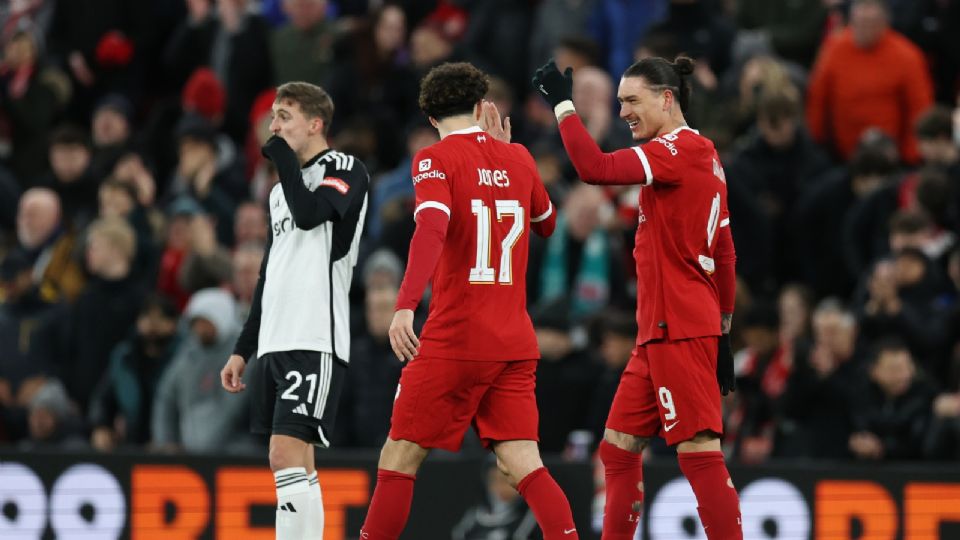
x=669, y=389
x=437, y=399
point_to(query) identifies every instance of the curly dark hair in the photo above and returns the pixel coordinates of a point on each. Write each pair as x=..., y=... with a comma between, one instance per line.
x=451, y=89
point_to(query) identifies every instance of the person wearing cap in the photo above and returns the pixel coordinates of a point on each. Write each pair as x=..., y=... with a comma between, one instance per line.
x=190, y=412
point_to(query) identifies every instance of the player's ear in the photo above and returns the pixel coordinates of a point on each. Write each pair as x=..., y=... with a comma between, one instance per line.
x=667, y=99
x=433, y=122
x=317, y=125
x=478, y=110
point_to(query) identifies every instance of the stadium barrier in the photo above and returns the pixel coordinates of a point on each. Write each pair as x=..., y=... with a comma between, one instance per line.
x=147, y=497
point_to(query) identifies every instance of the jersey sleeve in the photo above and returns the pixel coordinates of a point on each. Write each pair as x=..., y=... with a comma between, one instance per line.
x=725, y=256
x=622, y=167
x=430, y=183
x=342, y=182
x=661, y=158
x=543, y=216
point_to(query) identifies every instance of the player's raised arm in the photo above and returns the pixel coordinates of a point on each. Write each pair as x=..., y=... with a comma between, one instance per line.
x=592, y=164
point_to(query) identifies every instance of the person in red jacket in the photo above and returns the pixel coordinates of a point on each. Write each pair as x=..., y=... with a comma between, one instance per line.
x=868, y=75
x=685, y=291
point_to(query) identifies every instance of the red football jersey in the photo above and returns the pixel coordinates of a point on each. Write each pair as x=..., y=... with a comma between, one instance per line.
x=491, y=192
x=682, y=209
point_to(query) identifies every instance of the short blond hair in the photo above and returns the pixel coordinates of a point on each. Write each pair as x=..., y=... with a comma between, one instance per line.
x=116, y=232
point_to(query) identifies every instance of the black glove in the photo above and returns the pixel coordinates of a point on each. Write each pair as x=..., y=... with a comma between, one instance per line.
x=725, y=376
x=555, y=87
x=283, y=157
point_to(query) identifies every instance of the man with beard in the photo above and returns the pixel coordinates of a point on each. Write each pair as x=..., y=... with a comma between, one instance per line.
x=122, y=403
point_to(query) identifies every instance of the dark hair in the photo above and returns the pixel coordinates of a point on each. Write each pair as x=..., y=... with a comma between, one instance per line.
x=935, y=194
x=876, y=155
x=582, y=46
x=314, y=101
x=887, y=345
x=69, y=135
x=762, y=313
x=935, y=123
x=664, y=75
x=909, y=222
x=451, y=89
x=158, y=302
x=126, y=187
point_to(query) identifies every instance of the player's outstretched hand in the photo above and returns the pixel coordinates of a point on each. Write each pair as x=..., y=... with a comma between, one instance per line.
x=231, y=374
x=555, y=87
x=403, y=339
x=725, y=375
x=490, y=122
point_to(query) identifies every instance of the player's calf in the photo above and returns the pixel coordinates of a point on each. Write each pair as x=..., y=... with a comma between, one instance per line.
x=521, y=459
x=717, y=502
x=620, y=454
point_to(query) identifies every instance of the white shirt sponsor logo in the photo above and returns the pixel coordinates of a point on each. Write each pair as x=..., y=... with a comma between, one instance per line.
x=425, y=164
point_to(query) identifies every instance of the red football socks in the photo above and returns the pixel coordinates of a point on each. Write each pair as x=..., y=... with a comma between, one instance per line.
x=389, y=507
x=717, y=500
x=549, y=505
x=623, y=471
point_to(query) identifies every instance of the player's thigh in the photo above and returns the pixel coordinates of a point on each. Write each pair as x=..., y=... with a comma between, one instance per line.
x=263, y=395
x=634, y=408
x=308, y=386
x=436, y=400
x=684, y=375
x=508, y=409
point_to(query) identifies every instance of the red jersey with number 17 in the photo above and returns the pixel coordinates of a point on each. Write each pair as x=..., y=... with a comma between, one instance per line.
x=492, y=194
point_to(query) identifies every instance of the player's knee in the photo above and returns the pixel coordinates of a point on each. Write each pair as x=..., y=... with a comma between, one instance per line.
x=625, y=441
x=517, y=459
x=704, y=441
x=402, y=456
x=286, y=453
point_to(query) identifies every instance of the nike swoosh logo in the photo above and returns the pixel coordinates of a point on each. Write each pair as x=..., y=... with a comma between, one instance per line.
x=569, y=531
x=671, y=426
x=544, y=90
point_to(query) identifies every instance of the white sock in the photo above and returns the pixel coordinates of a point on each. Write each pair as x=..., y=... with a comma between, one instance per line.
x=314, y=527
x=293, y=503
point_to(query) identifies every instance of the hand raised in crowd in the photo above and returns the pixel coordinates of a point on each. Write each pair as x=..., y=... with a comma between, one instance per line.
x=491, y=123
x=883, y=291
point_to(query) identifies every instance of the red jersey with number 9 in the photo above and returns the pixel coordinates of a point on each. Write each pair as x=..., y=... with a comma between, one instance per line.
x=682, y=209
x=492, y=193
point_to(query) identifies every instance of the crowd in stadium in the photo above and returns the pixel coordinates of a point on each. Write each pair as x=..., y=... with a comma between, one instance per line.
x=131, y=179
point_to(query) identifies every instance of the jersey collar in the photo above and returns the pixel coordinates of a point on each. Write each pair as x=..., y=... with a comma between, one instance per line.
x=466, y=131
x=681, y=128
x=316, y=158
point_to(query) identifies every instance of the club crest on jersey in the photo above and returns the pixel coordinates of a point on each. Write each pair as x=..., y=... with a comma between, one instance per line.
x=425, y=165
x=335, y=183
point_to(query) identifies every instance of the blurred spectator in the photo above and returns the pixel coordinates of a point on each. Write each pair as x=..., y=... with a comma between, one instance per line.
x=581, y=259
x=794, y=29
x=901, y=302
x=942, y=441
x=176, y=247
x=763, y=369
x=122, y=403
x=202, y=176
x=247, y=259
x=302, y=49
x=593, y=93
x=557, y=21
x=71, y=176
x=119, y=200
x=618, y=337
x=891, y=414
x=31, y=97
x=234, y=42
x=775, y=164
x=53, y=420
x=9, y=197
x=704, y=33
x=794, y=306
x=818, y=395
x=820, y=213
x=617, y=25
x=112, y=128
x=104, y=312
x=576, y=52
x=49, y=247
x=204, y=96
x=566, y=377
x=207, y=263
x=191, y=411
x=27, y=325
x=250, y=224
x=848, y=94
x=935, y=139
x=363, y=416
x=500, y=513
